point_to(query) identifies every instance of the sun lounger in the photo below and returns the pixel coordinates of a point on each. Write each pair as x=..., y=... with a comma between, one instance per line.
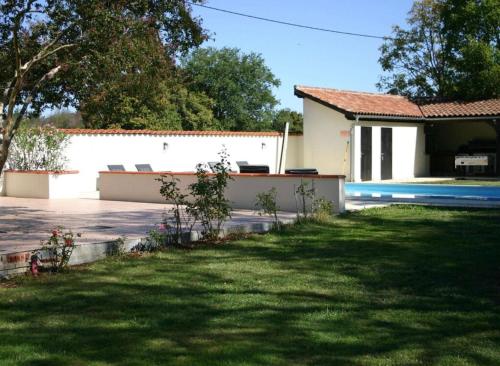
x=143, y=167
x=116, y=168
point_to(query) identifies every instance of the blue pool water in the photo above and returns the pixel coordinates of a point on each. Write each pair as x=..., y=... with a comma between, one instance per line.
x=422, y=191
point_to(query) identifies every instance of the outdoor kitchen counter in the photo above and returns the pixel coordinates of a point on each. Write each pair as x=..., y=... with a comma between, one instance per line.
x=241, y=191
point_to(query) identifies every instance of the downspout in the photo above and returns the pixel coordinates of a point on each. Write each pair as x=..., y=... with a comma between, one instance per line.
x=284, y=147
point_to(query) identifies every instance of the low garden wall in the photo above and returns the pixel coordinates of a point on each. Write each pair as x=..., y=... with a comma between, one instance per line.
x=42, y=184
x=2, y=184
x=241, y=191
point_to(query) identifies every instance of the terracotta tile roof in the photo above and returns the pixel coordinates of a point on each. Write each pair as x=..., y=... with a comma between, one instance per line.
x=489, y=107
x=349, y=102
x=82, y=131
x=362, y=103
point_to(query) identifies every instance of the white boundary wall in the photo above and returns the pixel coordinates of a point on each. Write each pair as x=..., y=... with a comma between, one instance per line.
x=241, y=191
x=91, y=151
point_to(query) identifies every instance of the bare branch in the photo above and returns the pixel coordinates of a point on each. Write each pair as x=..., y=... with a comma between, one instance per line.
x=45, y=51
x=49, y=75
x=16, y=83
x=69, y=45
x=15, y=43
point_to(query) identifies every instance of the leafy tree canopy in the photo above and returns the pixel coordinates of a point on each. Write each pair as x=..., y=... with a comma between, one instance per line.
x=51, y=51
x=58, y=119
x=286, y=115
x=239, y=84
x=449, y=50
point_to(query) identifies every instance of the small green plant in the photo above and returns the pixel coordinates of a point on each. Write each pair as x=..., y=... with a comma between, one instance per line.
x=267, y=204
x=38, y=148
x=181, y=219
x=117, y=247
x=59, y=248
x=304, y=196
x=157, y=239
x=322, y=209
x=209, y=206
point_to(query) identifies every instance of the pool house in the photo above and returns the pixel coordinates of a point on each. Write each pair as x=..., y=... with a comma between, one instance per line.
x=373, y=137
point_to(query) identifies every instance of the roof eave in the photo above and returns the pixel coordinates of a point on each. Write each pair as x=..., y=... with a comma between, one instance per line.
x=301, y=94
x=463, y=118
x=377, y=117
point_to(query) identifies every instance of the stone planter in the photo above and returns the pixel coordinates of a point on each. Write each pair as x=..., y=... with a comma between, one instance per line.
x=42, y=184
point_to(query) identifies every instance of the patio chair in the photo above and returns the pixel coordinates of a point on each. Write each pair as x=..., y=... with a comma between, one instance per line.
x=143, y=167
x=241, y=163
x=116, y=168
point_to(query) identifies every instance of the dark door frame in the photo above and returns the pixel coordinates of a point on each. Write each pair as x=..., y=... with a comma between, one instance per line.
x=366, y=153
x=386, y=153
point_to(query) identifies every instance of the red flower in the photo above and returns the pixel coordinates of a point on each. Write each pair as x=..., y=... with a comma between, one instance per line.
x=68, y=242
x=55, y=232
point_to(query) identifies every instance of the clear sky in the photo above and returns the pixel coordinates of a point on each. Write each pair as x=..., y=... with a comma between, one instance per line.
x=307, y=57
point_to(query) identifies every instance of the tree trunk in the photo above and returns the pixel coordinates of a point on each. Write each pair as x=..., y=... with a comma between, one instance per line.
x=4, y=144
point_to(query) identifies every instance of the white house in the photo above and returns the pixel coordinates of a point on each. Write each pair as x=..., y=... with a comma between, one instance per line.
x=370, y=136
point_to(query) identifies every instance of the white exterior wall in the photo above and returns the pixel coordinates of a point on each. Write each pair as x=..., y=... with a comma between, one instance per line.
x=91, y=153
x=327, y=133
x=295, y=152
x=408, y=150
x=326, y=139
x=42, y=184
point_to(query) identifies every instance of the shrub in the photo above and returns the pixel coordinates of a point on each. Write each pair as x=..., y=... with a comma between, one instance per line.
x=266, y=202
x=59, y=248
x=38, y=148
x=304, y=196
x=117, y=247
x=322, y=209
x=156, y=240
x=209, y=205
x=181, y=219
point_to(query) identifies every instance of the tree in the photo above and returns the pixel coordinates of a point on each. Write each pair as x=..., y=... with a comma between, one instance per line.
x=239, y=84
x=450, y=50
x=58, y=119
x=286, y=115
x=135, y=84
x=472, y=30
x=416, y=58
x=140, y=102
x=49, y=48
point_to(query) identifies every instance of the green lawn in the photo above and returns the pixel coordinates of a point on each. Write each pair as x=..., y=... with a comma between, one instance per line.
x=393, y=286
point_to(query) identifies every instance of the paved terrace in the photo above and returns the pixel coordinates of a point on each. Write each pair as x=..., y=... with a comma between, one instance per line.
x=25, y=222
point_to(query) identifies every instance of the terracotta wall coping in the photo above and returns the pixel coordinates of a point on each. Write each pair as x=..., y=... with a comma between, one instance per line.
x=83, y=131
x=312, y=176
x=54, y=172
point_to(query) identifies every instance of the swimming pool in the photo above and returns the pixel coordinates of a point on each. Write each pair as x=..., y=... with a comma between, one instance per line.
x=422, y=191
